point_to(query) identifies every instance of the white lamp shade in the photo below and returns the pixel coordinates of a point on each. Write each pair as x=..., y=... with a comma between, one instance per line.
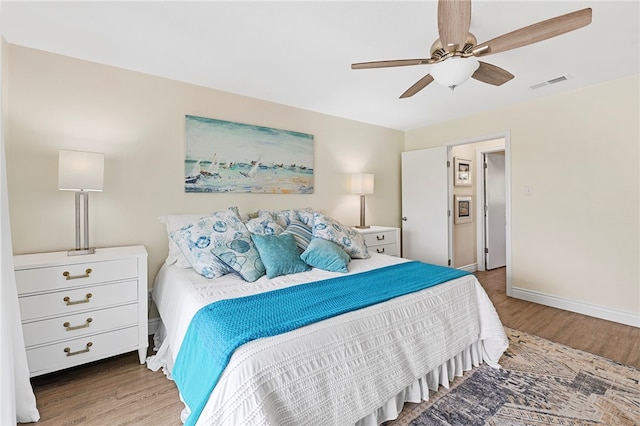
x=362, y=183
x=80, y=171
x=454, y=71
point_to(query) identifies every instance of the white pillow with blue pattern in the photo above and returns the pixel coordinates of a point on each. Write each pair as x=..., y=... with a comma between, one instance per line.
x=264, y=224
x=285, y=217
x=305, y=216
x=241, y=255
x=351, y=241
x=175, y=222
x=197, y=239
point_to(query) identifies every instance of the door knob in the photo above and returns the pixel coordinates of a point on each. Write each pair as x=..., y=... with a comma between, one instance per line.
x=404, y=218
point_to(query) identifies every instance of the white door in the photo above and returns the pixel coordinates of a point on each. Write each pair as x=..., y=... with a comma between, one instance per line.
x=495, y=218
x=425, y=206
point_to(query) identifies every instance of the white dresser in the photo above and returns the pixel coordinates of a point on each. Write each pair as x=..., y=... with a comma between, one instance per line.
x=78, y=309
x=382, y=239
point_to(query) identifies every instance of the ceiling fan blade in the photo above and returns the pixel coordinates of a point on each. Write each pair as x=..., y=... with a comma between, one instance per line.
x=534, y=33
x=491, y=74
x=454, y=19
x=418, y=86
x=393, y=63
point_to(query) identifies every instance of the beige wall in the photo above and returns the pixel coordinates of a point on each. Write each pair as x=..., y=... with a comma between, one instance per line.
x=578, y=235
x=137, y=121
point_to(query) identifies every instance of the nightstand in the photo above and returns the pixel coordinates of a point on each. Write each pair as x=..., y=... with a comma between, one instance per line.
x=382, y=239
x=78, y=309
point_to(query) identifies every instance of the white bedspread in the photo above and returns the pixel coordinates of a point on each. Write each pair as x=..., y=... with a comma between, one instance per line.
x=357, y=368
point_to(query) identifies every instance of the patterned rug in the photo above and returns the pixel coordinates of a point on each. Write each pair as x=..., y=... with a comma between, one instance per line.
x=540, y=383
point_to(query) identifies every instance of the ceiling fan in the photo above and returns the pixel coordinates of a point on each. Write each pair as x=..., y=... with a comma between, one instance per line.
x=454, y=54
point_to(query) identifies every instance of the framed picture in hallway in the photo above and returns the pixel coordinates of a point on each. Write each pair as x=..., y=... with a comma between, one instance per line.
x=463, y=209
x=461, y=172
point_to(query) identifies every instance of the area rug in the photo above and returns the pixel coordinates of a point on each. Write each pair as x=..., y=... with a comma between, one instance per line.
x=540, y=383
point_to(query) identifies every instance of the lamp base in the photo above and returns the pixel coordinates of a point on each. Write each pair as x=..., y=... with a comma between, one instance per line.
x=80, y=252
x=362, y=221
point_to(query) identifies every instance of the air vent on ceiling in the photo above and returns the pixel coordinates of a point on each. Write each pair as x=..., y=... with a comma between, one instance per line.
x=550, y=81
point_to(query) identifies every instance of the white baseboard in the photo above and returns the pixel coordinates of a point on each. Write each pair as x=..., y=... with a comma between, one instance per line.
x=153, y=325
x=597, y=311
x=469, y=268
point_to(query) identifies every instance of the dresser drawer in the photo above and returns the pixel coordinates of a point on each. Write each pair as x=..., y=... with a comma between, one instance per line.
x=388, y=249
x=94, y=305
x=78, y=299
x=44, y=359
x=78, y=325
x=374, y=239
x=74, y=275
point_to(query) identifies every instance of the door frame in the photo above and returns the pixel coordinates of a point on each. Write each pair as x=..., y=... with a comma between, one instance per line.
x=479, y=196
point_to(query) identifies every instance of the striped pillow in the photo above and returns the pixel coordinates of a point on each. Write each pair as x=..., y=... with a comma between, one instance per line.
x=301, y=233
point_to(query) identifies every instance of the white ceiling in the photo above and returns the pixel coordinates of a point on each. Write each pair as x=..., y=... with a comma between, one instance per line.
x=299, y=53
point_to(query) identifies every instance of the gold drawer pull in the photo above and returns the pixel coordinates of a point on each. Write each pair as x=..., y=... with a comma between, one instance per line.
x=380, y=237
x=70, y=327
x=70, y=302
x=75, y=277
x=81, y=351
x=381, y=251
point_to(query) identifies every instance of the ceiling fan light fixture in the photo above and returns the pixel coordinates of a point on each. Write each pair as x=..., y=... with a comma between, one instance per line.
x=454, y=71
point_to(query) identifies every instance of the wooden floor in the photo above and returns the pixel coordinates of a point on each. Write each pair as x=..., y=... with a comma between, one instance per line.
x=611, y=340
x=120, y=391
x=115, y=391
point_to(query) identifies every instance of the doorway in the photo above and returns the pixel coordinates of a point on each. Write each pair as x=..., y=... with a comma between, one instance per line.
x=415, y=242
x=486, y=145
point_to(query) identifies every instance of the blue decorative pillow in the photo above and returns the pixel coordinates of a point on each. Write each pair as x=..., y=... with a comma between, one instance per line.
x=197, y=239
x=279, y=254
x=351, y=241
x=301, y=233
x=326, y=255
x=240, y=254
x=264, y=225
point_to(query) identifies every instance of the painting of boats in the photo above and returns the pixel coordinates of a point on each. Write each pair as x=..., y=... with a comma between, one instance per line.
x=224, y=156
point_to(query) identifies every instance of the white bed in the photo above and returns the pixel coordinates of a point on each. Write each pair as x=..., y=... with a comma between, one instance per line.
x=356, y=368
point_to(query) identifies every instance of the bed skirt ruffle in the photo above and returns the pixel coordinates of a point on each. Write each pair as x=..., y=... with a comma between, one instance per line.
x=418, y=391
x=163, y=359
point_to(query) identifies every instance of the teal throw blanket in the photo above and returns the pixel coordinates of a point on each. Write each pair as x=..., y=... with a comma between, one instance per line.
x=219, y=328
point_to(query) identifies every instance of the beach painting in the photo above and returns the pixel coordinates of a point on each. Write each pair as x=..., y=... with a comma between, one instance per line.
x=224, y=156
